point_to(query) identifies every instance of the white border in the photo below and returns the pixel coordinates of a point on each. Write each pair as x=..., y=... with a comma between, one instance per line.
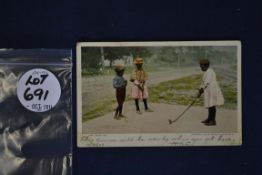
x=184, y=139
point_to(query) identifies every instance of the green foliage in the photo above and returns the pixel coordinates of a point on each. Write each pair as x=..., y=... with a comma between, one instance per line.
x=143, y=52
x=230, y=94
x=190, y=55
x=91, y=58
x=181, y=91
x=99, y=109
x=91, y=72
x=184, y=90
x=177, y=56
x=113, y=53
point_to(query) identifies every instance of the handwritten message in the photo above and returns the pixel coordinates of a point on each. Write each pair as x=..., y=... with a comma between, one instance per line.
x=128, y=140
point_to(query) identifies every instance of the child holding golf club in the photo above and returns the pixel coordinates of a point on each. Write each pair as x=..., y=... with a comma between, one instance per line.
x=138, y=88
x=212, y=93
x=119, y=83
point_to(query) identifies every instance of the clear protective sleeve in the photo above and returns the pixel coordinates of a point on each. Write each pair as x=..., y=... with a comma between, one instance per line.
x=35, y=143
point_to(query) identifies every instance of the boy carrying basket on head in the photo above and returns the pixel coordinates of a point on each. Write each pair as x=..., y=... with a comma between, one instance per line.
x=119, y=83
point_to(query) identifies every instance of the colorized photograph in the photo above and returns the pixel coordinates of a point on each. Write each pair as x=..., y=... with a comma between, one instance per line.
x=159, y=93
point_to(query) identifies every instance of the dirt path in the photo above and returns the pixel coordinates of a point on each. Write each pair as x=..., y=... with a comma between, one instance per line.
x=157, y=121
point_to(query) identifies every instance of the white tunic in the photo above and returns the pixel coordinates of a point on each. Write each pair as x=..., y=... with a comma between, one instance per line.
x=212, y=92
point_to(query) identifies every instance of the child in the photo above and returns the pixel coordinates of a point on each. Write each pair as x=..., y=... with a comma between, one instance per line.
x=119, y=83
x=212, y=93
x=139, y=89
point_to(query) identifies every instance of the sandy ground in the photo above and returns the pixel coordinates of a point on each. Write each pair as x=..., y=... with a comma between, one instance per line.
x=157, y=121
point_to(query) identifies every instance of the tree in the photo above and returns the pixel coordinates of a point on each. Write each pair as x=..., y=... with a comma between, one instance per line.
x=139, y=52
x=114, y=53
x=90, y=57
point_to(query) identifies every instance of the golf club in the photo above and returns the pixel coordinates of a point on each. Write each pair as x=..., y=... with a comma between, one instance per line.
x=188, y=107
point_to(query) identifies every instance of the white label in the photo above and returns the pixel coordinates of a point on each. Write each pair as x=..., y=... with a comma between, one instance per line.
x=38, y=90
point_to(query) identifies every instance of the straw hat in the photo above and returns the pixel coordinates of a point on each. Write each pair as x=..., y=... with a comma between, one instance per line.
x=138, y=61
x=119, y=67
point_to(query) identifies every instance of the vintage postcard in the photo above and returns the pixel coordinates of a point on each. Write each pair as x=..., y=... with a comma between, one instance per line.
x=141, y=94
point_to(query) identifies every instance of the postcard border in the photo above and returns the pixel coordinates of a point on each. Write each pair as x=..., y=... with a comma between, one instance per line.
x=87, y=140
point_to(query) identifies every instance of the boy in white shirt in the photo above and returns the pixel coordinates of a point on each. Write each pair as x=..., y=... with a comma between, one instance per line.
x=212, y=93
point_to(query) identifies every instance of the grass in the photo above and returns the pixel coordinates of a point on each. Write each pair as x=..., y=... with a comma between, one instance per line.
x=230, y=95
x=99, y=109
x=181, y=91
x=184, y=90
